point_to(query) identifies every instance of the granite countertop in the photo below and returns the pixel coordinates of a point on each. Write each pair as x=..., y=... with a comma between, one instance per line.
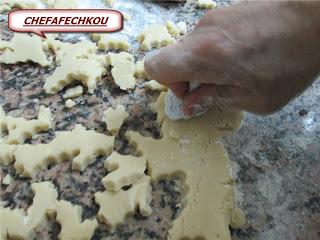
x=276, y=159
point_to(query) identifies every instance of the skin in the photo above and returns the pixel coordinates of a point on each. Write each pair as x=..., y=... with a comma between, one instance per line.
x=254, y=56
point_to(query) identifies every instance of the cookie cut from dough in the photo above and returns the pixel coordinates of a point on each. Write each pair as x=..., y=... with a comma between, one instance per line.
x=79, y=145
x=123, y=69
x=72, y=226
x=19, y=129
x=6, y=5
x=70, y=103
x=140, y=71
x=207, y=4
x=106, y=42
x=73, y=92
x=153, y=85
x=114, y=118
x=125, y=170
x=155, y=36
x=21, y=225
x=191, y=149
x=15, y=50
x=7, y=153
x=115, y=206
x=87, y=71
x=68, y=51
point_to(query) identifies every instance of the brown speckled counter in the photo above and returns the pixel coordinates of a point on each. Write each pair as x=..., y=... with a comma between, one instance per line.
x=276, y=159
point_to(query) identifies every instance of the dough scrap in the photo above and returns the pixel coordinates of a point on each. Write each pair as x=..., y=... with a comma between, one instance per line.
x=207, y=4
x=18, y=224
x=123, y=69
x=114, y=206
x=155, y=36
x=20, y=129
x=154, y=85
x=6, y=5
x=87, y=71
x=72, y=227
x=106, y=42
x=79, y=145
x=15, y=50
x=114, y=118
x=125, y=170
x=70, y=103
x=191, y=149
x=73, y=92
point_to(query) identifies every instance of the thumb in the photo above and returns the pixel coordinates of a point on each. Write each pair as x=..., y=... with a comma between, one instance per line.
x=207, y=95
x=171, y=64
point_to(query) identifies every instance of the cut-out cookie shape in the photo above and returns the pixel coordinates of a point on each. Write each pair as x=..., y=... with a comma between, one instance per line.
x=6, y=5
x=106, y=42
x=191, y=149
x=155, y=36
x=126, y=170
x=15, y=50
x=68, y=51
x=79, y=145
x=123, y=69
x=114, y=206
x=20, y=129
x=154, y=85
x=114, y=118
x=16, y=224
x=87, y=71
x=73, y=92
x=72, y=227
x=207, y=4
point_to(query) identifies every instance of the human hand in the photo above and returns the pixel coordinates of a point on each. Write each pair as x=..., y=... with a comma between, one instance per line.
x=254, y=56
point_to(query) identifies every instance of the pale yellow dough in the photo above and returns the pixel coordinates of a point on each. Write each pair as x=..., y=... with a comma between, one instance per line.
x=20, y=129
x=123, y=69
x=15, y=50
x=106, y=42
x=206, y=4
x=114, y=118
x=6, y=5
x=154, y=85
x=70, y=103
x=125, y=170
x=155, y=36
x=140, y=72
x=190, y=149
x=79, y=145
x=114, y=206
x=7, y=179
x=73, y=92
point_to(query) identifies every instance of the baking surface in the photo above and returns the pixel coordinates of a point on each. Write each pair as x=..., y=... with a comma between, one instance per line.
x=276, y=159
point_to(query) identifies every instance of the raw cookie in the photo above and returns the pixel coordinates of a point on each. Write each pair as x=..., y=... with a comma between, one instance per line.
x=114, y=206
x=15, y=50
x=154, y=85
x=123, y=69
x=195, y=154
x=79, y=145
x=125, y=170
x=106, y=42
x=114, y=118
x=70, y=103
x=155, y=36
x=88, y=71
x=6, y=5
x=20, y=129
x=140, y=72
x=73, y=92
x=72, y=226
x=18, y=224
x=206, y=4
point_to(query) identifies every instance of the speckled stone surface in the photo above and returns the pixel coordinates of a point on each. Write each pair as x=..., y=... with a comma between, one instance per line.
x=276, y=159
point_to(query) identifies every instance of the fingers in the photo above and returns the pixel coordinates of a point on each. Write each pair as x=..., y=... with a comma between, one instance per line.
x=179, y=89
x=207, y=95
x=171, y=64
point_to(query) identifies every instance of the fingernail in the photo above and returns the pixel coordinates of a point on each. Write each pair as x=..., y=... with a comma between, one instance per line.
x=196, y=110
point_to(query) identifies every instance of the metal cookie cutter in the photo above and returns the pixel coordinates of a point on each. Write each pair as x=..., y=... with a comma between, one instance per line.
x=174, y=106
